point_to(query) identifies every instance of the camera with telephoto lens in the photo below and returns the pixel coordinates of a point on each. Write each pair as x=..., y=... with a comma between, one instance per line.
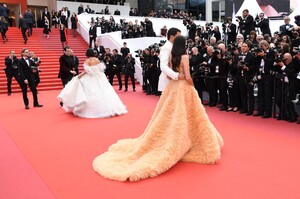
x=204, y=69
x=239, y=18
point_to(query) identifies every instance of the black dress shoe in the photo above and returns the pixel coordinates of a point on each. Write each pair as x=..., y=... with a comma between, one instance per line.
x=9, y=94
x=26, y=107
x=38, y=105
x=134, y=90
x=249, y=113
x=243, y=111
x=257, y=114
x=223, y=108
x=120, y=88
x=212, y=105
x=125, y=90
x=266, y=116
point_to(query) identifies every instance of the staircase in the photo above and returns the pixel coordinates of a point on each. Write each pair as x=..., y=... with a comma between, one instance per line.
x=49, y=51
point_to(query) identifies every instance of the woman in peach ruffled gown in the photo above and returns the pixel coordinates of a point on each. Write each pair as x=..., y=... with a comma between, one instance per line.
x=179, y=130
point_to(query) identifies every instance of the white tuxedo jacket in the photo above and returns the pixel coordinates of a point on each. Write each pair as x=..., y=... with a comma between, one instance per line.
x=166, y=71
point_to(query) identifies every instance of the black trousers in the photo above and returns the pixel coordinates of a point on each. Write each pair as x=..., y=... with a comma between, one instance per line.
x=9, y=77
x=65, y=80
x=247, y=95
x=212, y=87
x=265, y=94
x=199, y=86
x=24, y=34
x=32, y=87
x=92, y=39
x=112, y=75
x=131, y=75
x=223, y=91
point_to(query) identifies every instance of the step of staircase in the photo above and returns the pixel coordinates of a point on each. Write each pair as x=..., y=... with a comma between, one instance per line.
x=49, y=51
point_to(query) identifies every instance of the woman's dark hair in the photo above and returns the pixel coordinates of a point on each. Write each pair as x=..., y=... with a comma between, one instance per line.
x=177, y=51
x=90, y=52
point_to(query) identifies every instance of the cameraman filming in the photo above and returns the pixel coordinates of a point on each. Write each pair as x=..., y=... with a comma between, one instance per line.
x=284, y=81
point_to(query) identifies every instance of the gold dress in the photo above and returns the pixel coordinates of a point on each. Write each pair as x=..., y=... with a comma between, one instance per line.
x=179, y=130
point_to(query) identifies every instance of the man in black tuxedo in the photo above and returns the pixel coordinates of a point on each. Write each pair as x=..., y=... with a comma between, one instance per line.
x=191, y=29
x=117, y=61
x=129, y=70
x=23, y=26
x=263, y=24
x=88, y=9
x=246, y=69
x=66, y=69
x=286, y=28
x=11, y=70
x=74, y=62
x=93, y=34
x=26, y=78
x=99, y=49
x=246, y=23
x=265, y=62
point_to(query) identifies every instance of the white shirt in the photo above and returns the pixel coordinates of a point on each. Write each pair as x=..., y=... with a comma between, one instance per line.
x=165, y=54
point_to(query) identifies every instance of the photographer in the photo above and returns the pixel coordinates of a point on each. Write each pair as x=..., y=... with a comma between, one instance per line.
x=265, y=78
x=145, y=58
x=191, y=26
x=246, y=68
x=284, y=81
x=246, y=23
x=207, y=33
x=149, y=28
x=286, y=28
x=117, y=61
x=195, y=61
x=11, y=70
x=229, y=31
x=263, y=24
x=296, y=86
x=129, y=70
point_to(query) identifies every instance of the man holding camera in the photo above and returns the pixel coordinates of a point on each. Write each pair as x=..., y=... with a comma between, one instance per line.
x=229, y=29
x=35, y=68
x=27, y=78
x=265, y=61
x=263, y=24
x=191, y=26
x=195, y=61
x=117, y=61
x=11, y=70
x=284, y=82
x=246, y=68
x=246, y=23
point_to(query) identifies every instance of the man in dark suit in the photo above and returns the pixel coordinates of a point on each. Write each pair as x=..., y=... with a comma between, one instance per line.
x=11, y=70
x=191, y=29
x=30, y=21
x=26, y=78
x=117, y=61
x=265, y=62
x=129, y=70
x=92, y=34
x=195, y=61
x=23, y=26
x=263, y=24
x=125, y=50
x=246, y=68
x=229, y=28
x=47, y=14
x=99, y=49
x=246, y=23
x=286, y=28
x=66, y=69
x=74, y=62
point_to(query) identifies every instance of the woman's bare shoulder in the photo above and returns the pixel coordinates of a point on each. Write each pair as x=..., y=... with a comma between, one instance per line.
x=183, y=57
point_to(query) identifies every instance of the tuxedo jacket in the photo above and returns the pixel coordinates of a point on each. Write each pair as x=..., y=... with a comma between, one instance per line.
x=250, y=63
x=93, y=31
x=66, y=66
x=24, y=69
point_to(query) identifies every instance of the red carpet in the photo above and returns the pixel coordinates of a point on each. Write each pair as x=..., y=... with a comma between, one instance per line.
x=260, y=158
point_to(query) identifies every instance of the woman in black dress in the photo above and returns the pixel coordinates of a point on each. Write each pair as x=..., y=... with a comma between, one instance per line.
x=74, y=21
x=63, y=36
x=46, y=27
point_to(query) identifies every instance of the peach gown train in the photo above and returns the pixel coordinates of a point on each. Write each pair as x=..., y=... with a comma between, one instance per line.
x=179, y=130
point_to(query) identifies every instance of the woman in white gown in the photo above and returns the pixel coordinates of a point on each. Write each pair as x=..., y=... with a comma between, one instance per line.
x=90, y=95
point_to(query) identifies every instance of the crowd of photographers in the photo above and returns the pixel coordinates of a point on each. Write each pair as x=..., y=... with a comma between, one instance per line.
x=247, y=61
